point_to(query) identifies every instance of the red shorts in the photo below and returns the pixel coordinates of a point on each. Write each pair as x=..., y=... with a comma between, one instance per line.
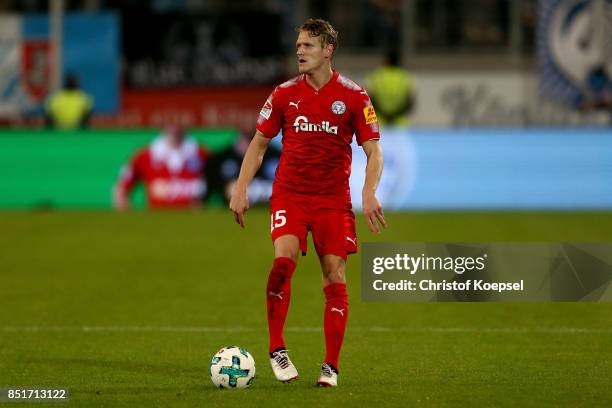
x=333, y=229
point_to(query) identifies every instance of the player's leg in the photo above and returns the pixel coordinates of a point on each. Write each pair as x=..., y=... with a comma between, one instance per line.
x=335, y=238
x=286, y=249
x=278, y=289
x=335, y=316
x=288, y=236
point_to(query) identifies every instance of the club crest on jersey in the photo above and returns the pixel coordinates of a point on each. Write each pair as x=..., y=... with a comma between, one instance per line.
x=370, y=114
x=338, y=107
x=266, y=111
x=301, y=124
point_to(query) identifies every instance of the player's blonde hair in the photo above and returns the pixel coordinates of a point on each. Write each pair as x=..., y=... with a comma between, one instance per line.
x=323, y=29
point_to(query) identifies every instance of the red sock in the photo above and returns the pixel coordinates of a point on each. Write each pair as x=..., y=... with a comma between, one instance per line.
x=336, y=314
x=278, y=295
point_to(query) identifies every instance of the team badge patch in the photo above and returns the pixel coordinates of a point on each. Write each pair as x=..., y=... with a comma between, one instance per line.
x=370, y=114
x=266, y=111
x=338, y=107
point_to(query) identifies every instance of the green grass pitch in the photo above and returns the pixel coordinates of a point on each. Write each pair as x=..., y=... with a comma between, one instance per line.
x=126, y=310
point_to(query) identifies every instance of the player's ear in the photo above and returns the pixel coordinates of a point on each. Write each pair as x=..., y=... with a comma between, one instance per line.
x=329, y=50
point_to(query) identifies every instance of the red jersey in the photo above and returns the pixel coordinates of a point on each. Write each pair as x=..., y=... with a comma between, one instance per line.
x=173, y=177
x=318, y=128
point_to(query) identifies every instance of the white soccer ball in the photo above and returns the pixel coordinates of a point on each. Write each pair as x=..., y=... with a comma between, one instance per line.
x=232, y=367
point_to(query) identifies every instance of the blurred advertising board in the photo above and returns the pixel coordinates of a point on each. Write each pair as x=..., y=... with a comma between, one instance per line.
x=425, y=169
x=474, y=169
x=490, y=98
x=50, y=169
x=235, y=107
x=177, y=50
x=25, y=60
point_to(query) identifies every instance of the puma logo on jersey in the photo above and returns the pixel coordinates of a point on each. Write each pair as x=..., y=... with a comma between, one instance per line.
x=335, y=309
x=301, y=124
x=295, y=104
x=276, y=294
x=354, y=241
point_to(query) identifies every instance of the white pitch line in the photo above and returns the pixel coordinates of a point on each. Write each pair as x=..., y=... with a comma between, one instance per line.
x=373, y=329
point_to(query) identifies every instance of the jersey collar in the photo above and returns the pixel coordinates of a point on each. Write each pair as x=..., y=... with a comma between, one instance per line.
x=332, y=80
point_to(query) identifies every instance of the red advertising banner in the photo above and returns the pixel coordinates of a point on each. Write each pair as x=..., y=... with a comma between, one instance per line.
x=36, y=68
x=235, y=107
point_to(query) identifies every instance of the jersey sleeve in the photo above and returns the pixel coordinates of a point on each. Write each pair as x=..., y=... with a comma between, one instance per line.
x=271, y=116
x=365, y=123
x=132, y=172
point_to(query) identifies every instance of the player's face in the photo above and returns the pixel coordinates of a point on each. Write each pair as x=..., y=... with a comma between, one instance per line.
x=310, y=54
x=175, y=134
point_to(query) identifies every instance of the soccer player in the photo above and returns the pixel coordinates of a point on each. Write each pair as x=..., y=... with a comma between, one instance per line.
x=172, y=170
x=318, y=112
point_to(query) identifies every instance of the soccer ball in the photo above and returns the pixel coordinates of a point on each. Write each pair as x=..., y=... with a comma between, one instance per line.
x=232, y=367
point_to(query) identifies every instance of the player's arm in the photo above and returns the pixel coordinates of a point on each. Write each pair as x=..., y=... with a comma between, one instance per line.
x=129, y=176
x=253, y=157
x=121, y=199
x=372, y=210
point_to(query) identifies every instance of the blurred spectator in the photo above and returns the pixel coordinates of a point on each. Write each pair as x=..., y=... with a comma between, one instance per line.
x=172, y=170
x=224, y=167
x=391, y=89
x=70, y=107
x=383, y=19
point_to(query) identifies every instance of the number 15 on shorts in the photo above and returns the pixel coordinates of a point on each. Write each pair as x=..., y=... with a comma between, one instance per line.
x=277, y=219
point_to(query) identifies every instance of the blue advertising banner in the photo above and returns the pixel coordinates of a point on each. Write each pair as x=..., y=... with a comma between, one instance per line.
x=524, y=169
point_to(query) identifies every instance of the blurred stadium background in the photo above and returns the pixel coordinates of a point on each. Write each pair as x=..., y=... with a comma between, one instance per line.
x=538, y=70
x=510, y=139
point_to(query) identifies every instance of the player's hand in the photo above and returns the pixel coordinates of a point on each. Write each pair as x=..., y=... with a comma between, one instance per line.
x=120, y=200
x=239, y=204
x=373, y=213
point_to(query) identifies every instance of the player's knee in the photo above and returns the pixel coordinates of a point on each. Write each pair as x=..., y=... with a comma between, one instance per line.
x=287, y=247
x=336, y=277
x=286, y=253
x=333, y=268
x=333, y=274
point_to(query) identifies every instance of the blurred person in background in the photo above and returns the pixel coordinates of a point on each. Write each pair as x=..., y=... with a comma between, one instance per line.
x=599, y=94
x=70, y=107
x=171, y=168
x=392, y=90
x=223, y=168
